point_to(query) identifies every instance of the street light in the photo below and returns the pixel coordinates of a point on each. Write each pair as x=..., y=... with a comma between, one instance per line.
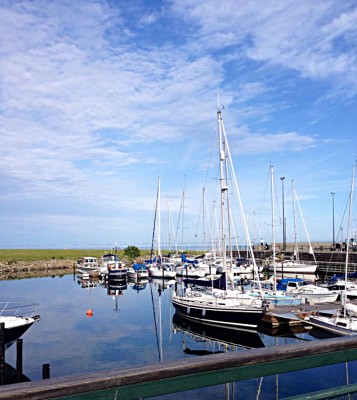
x=333, y=220
x=284, y=233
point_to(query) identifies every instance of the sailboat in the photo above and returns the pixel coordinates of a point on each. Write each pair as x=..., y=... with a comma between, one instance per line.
x=294, y=266
x=275, y=296
x=221, y=307
x=344, y=323
x=157, y=268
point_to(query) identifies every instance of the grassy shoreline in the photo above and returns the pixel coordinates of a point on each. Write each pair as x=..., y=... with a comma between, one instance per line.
x=16, y=255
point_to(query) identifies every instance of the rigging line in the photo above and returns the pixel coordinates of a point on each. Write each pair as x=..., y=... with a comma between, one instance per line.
x=199, y=218
x=266, y=195
x=181, y=214
x=153, y=231
x=303, y=221
x=211, y=153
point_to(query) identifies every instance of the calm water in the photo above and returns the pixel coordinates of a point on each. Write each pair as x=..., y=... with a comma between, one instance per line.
x=137, y=327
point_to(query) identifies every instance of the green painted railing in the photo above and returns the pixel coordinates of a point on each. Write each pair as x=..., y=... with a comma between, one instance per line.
x=193, y=373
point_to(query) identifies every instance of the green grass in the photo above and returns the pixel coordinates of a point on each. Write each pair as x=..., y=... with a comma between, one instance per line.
x=34, y=255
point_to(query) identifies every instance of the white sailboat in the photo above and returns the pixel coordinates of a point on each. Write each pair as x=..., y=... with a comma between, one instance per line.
x=345, y=322
x=275, y=296
x=221, y=307
x=158, y=269
x=293, y=266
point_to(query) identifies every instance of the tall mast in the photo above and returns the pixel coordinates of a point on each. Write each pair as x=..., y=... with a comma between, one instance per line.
x=296, y=251
x=183, y=211
x=348, y=233
x=158, y=219
x=245, y=226
x=222, y=157
x=273, y=222
x=203, y=218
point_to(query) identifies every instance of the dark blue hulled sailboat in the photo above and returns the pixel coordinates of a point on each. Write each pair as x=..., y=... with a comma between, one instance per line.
x=221, y=307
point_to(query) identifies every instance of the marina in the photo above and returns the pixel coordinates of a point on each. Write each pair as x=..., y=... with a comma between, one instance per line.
x=134, y=324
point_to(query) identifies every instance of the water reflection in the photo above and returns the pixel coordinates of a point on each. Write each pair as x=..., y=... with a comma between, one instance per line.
x=142, y=330
x=12, y=375
x=218, y=339
x=223, y=339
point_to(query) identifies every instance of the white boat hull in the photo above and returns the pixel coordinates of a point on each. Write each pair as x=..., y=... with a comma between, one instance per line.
x=292, y=269
x=339, y=325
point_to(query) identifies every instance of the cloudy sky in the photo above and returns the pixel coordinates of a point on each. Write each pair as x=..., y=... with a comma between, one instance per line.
x=100, y=98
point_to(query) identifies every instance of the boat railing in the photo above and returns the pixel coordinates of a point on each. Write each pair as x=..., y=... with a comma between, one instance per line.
x=205, y=371
x=13, y=309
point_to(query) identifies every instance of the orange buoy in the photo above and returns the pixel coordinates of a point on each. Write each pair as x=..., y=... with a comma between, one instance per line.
x=89, y=313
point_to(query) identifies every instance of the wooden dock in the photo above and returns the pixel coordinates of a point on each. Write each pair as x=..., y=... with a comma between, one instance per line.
x=287, y=315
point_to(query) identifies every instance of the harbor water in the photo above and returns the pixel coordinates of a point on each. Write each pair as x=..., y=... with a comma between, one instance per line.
x=89, y=326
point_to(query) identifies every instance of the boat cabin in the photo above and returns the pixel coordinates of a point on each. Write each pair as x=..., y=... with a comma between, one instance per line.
x=87, y=262
x=289, y=284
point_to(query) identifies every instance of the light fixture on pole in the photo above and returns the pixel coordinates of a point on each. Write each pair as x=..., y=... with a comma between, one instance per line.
x=284, y=227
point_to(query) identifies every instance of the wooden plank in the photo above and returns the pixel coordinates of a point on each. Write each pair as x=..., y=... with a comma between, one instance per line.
x=233, y=365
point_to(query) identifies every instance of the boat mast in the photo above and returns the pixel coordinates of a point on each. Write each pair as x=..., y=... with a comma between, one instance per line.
x=224, y=188
x=159, y=220
x=296, y=250
x=203, y=218
x=245, y=225
x=273, y=222
x=348, y=235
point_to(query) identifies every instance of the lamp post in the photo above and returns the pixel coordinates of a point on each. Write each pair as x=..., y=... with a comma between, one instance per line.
x=333, y=220
x=284, y=232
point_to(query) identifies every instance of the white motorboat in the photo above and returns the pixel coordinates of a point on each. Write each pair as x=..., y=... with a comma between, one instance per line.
x=87, y=267
x=349, y=287
x=309, y=293
x=137, y=272
x=112, y=268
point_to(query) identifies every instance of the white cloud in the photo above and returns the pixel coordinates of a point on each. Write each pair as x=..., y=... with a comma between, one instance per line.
x=98, y=95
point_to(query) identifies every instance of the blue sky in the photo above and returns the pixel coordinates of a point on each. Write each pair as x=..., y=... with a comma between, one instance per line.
x=100, y=98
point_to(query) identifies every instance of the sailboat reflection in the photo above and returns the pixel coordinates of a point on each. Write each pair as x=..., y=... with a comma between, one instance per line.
x=224, y=337
x=218, y=339
x=137, y=284
x=162, y=284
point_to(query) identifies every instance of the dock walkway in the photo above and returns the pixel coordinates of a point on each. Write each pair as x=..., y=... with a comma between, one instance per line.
x=287, y=315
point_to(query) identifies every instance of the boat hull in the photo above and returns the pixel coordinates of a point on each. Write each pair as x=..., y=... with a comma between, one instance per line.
x=15, y=328
x=235, y=316
x=161, y=272
x=329, y=325
x=293, y=269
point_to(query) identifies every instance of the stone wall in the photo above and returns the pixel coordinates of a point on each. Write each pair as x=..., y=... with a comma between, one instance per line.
x=27, y=269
